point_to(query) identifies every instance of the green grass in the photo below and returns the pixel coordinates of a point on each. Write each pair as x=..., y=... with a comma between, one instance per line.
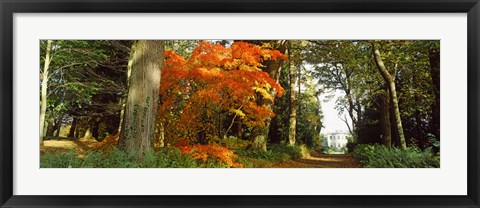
x=274, y=153
x=166, y=158
x=379, y=156
x=115, y=158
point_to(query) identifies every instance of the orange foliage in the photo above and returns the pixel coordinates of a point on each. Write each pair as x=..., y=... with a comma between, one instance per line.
x=210, y=151
x=215, y=80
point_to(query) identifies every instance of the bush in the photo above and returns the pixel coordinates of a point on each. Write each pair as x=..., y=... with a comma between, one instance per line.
x=335, y=150
x=115, y=158
x=59, y=159
x=214, y=152
x=293, y=151
x=275, y=152
x=379, y=156
x=234, y=143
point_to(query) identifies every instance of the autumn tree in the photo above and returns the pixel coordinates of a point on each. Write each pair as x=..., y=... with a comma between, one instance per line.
x=215, y=83
x=273, y=68
x=138, y=125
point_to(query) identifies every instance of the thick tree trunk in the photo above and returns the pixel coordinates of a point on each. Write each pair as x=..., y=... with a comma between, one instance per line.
x=124, y=99
x=273, y=68
x=259, y=138
x=71, y=133
x=87, y=136
x=138, y=125
x=385, y=121
x=393, y=95
x=43, y=102
x=293, y=106
x=434, y=58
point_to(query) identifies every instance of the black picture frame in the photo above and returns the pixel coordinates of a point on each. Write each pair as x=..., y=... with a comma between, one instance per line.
x=9, y=7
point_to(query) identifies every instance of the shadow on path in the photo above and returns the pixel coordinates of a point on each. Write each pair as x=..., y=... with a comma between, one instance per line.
x=318, y=160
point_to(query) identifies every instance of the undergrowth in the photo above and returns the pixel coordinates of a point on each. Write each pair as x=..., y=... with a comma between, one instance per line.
x=274, y=153
x=115, y=158
x=379, y=156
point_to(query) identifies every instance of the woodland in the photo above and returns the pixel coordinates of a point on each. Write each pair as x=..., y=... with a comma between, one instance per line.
x=237, y=103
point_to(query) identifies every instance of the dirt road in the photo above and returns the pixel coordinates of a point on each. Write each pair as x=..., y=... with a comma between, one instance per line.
x=318, y=160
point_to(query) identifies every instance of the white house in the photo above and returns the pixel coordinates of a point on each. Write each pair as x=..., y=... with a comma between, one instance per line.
x=336, y=142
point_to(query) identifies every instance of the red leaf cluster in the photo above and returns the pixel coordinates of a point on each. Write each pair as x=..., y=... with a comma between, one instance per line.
x=215, y=80
x=211, y=151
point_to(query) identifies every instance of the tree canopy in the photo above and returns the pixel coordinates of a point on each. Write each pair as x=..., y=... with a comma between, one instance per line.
x=227, y=100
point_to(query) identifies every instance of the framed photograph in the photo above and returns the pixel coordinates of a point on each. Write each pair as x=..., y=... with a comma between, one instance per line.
x=269, y=103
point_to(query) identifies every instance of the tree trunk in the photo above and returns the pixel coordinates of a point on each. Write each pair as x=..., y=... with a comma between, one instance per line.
x=95, y=129
x=123, y=99
x=71, y=133
x=87, y=136
x=138, y=126
x=161, y=136
x=385, y=121
x=76, y=133
x=434, y=59
x=238, y=130
x=43, y=102
x=393, y=95
x=293, y=105
x=50, y=130
x=259, y=138
x=57, y=128
x=122, y=112
x=273, y=68
x=422, y=140
x=350, y=109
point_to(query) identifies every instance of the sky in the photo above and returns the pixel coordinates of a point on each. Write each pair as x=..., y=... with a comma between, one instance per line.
x=331, y=119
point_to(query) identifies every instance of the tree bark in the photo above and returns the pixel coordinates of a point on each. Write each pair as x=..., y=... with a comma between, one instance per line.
x=138, y=126
x=293, y=105
x=43, y=102
x=58, y=126
x=71, y=133
x=95, y=129
x=87, y=136
x=122, y=113
x=385, y=121
x=238, y=130
x=161, y=136
x=393, y=94
x=124, y=99
x=351, y=108
x=50, y=129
